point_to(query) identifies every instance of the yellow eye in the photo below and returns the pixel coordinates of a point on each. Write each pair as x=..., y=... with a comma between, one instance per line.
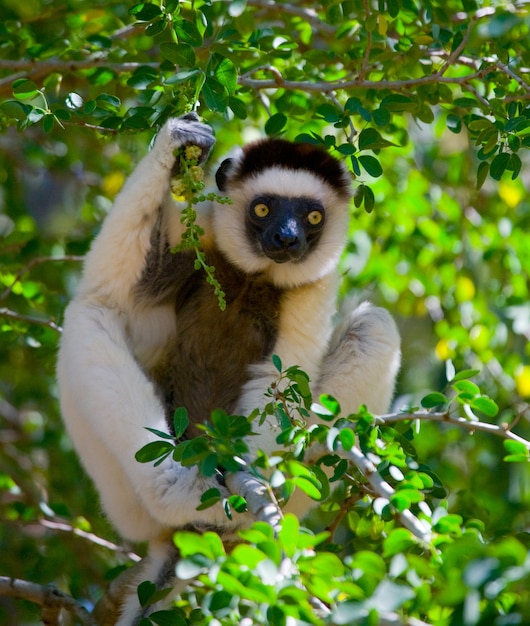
x=314, y=218
x=261, y=210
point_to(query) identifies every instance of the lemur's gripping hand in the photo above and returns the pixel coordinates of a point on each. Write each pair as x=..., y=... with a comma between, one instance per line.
x=185, y=130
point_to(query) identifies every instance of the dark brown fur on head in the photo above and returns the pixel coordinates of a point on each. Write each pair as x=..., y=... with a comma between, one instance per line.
x=267, y=153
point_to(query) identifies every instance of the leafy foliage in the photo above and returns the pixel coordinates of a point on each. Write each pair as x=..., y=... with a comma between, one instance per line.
x=428, y=104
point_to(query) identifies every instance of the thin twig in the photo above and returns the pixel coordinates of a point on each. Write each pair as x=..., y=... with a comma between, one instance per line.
x=384, y=489
x=48, y=597
x=28, y=319
x=444, y=417
x=91, y=537
x=37, y=261
x=357, y=83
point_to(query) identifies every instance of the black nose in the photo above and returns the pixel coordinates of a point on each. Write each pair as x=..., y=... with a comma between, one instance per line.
x=286, y=240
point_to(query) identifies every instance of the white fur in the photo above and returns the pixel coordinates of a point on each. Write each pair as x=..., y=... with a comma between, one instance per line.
x=232, y=239
x=109, y=342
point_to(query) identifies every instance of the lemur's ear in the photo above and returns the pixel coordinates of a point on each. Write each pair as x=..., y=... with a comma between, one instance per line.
x=221, y=176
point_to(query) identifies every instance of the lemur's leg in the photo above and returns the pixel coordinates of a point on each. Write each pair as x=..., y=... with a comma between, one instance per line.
x=363, y=362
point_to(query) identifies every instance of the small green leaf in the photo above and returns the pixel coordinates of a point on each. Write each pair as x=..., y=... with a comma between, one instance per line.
x=173, y=617
x=369, y=199
x=347, y=439
x=330, y=403
x=288, y=534
x=466, y=386
x=238, y=503
x=516, y=447
x=180, y=422
x=464, y=374
x=181, y=54
x=275, y=124
x=276, y=361
x=145, y=12
x=187, y=32
x=371, y=165
x=485, y=405
x=399, y=540
x=24, y=89
x=145, y=592
x=329, y=112
x=499, y=165
x=454, y=123
x=153, y=450
x=307, y=487
x=215, y=95
x=358, y=194
x=433, y=399
x=209, y=498
x=224, y=71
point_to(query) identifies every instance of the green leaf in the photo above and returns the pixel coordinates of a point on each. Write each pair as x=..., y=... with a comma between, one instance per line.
x=331, y=404
x=180, y=54
x=225, y=72
x=369, y=199
x=399, y=540
x=371, y=139
x=238, y=503
x=397, y=102
x=145, y=12
x=180, y=422
x=308, y=487
x=187, y=32
x=276, y=361
x=347, y=438
x=371, y=165
x=454, y=123
x=434, y=399
x=516, y=447
x=14, y=109
x=24, y=89
x=156, y=27
x=145, y=591
x=184, y=75
x=275, y=124
x=211, y=494
x=153, y=450
x=499, y=165
x=485, y=405
x=463, y=374
x=329, y=112
x=466, y=386
x=173, y=617
x=215, y=95
x=288, y=535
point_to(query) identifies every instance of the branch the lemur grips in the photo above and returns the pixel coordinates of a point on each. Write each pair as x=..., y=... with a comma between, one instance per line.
x=145, y=335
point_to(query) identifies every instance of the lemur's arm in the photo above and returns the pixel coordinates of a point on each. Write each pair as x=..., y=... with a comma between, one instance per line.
x=106, y=399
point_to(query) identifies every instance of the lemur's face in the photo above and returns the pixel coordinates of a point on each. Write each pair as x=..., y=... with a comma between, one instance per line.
x=284, y=229
x=287, y=220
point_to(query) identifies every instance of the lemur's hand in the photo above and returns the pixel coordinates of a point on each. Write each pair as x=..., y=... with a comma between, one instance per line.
x=185, y=130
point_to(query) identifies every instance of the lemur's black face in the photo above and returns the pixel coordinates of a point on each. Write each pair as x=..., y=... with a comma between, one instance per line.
x=283, y=228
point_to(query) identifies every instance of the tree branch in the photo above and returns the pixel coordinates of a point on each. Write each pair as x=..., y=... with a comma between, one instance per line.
x=418, y=528
x=261, y=502
x=91, y=537
x=48, y=597
x=358, y=83
x=32, y=263
x=28, y=319
x=472, y=426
